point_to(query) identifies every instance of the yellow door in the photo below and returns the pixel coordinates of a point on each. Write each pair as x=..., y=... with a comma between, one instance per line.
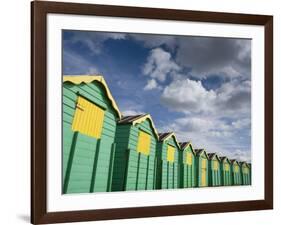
x=203, y=172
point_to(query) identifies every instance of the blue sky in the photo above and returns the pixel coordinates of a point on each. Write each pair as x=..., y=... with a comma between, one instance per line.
x=198, y=87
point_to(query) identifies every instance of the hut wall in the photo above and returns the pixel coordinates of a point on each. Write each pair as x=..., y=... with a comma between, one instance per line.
x=201, y=176
x=188, y=171
x=134, y=170
x=214, y=173
x=226, y=174
x=87, y=161
x=236, y=174
x=168, y=172
x=246, y=179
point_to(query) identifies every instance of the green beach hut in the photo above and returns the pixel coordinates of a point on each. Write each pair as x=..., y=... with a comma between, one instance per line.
x=236, y=172
x=135, y=156
x=168, y=162
x=201, y=163
x=89, y=119
x=214, y=170
x=226, y=174
x=188, y=165
x=245, y=173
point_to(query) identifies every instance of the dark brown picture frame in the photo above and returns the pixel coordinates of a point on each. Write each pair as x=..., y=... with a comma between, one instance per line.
x=40, y=9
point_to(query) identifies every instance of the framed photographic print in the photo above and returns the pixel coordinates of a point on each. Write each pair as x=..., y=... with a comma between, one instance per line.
x=144, y=112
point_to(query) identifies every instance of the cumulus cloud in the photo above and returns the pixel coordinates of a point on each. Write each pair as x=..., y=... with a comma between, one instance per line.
x=131, y=112
x=187, y=95
x=153, y=41
x=159, y=64
x=239, y=154
x=190, y=96
x=151, y=84
x=207, y=56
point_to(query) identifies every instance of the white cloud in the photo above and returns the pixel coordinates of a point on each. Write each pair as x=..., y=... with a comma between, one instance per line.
x=239, y=154
x=208, y=56
x=159, y=64
x=131, y=112
x=151, y=84
x=153, y=41
x=188, y=96
x=242, y=123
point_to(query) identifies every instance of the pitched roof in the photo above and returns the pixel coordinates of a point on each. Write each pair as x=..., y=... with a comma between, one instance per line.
x=212, y=155
x=224, y=158
x=78, y=79
x=129, y=119
x=184, y=144
x=164, y=136
x=233, y=161
x=136, y=119
x=198, y=152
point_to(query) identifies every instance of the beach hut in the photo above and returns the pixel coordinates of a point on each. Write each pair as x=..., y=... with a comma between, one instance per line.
x=188, y=165
x=245, y=173
x=236, y=172
x=214, y=169
x=135, y=156
x=226, y=174
x=89, y=119
x=168, y=161
x=201, y=162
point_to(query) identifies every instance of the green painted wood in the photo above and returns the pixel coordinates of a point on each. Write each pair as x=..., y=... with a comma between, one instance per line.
x=139, y=173
x=188, y=171
x=91, y=166
x=214, y=175
x=168, y=176
x=198, y=165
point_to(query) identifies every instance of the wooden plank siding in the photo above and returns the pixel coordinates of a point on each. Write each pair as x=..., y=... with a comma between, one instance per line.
x=226, y=172
x=168, y=173
x=188, y=168
x=236, y=173
x=245, y=174
x=87, y=161
x=214, y=172
x=134, y=170
x=202, y=177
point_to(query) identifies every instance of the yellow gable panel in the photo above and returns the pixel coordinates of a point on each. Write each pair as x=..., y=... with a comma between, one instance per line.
x=144, y=143
x=189, y=158
x=88, y=118
x=245, y=170
x=203, y=177
x=226, y=166
x=171, y=154
x=215, y=165
x=204, y=163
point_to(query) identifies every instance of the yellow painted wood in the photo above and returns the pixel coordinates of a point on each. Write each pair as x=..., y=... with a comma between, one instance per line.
x=147, y=117
x=189, y=158
x=88, y=118
x=170, y=154
x=245, y=170
x=204, y=172
x=90, y=78
x=144, y=143
x=215, y=165
x=226, y=166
